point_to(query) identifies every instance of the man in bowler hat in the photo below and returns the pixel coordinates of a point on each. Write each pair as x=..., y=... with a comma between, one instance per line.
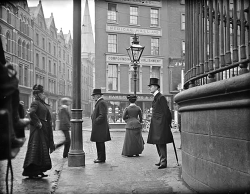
x=160, y=126
x=100, y=127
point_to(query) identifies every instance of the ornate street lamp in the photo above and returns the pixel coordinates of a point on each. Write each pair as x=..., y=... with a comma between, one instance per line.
x=134, y=53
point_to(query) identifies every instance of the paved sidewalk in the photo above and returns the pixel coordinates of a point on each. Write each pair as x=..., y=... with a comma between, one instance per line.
x=123, y=174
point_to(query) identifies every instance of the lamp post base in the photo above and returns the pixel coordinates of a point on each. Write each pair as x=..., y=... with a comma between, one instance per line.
x=76, y=159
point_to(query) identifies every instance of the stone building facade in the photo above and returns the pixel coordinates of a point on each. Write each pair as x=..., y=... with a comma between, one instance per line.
x=38, y=53
x=160, y=27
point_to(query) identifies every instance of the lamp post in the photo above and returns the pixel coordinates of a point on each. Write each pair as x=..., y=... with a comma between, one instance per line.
x=134, y=53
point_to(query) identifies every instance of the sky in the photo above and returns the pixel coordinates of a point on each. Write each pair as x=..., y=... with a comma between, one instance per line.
x=63, y=12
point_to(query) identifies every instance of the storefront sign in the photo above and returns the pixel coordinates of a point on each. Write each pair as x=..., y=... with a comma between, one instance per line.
x=129, y=30
x=118, y=97
x=126, y=59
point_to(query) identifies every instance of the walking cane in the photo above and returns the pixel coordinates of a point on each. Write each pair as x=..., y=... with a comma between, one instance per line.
x=175, y=153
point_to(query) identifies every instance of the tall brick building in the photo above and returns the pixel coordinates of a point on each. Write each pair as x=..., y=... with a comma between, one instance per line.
x=160, y=26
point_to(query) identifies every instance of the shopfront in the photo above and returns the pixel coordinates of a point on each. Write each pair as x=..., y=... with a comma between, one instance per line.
x=118, y=102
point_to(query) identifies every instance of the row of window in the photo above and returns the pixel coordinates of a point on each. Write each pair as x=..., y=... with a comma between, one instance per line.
x=112, y=44
x=49, y=48
x=134, y=15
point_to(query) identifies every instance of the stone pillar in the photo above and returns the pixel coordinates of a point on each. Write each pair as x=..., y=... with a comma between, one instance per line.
x=76, y=154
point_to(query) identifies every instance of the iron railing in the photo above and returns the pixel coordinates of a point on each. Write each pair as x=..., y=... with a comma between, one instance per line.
x=217, y=40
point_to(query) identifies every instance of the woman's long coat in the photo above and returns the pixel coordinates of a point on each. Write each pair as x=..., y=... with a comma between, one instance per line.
x=40, y=140
x=160, y=126
x=100, y=127
x=133, y=117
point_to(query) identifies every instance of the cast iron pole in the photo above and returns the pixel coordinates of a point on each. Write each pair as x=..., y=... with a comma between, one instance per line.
x=76, y=154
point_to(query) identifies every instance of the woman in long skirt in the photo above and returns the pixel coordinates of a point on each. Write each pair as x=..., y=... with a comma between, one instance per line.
x=133, y=142
x=41, y=144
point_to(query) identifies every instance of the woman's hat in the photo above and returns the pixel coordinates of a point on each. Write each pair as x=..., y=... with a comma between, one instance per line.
x=65, y=99
x=154, y=81
x=37, y=88
x=96, y=92
x=131, y=97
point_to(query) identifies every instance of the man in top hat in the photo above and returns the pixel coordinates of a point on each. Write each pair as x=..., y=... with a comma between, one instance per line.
x=160, y=130
x=100, y=127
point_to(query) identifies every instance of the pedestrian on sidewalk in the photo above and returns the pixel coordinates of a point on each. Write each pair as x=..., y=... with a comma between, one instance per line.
x=133, y=141
x=100, y=127
x=160, y=126
x=41, y=143
x=64, y=117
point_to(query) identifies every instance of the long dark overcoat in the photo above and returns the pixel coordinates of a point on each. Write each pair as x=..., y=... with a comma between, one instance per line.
x=160, y=130
x=100, y=127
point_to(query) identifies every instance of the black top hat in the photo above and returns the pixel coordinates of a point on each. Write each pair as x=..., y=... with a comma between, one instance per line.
x=96, y=91
x=37, y=89
x=154, y=81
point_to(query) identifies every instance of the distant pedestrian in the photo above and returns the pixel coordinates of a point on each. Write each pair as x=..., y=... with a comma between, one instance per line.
x=100, y=126
x=160, y=126
x=64, y=117
x=41, y=143
x=133, y=141
x=54, y=120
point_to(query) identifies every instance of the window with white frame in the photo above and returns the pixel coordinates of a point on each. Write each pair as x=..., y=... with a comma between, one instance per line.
x=182, y=21
x=49, y=66
x=155, y=46
x=112, y=43
x=133, y=15
x=8, y=41
x=156, y=72
x=20, y=74
x=37, y=59
x=23, y=50
x=112, y=77
x=37, y=39
x=43, y=43
x=19, y=48
x=112, y=12
x=26, y=76
x=132, y=82
x=183, y=48
x=43, y=63
x=27, y=52
x=49, y=48
x=154, y=17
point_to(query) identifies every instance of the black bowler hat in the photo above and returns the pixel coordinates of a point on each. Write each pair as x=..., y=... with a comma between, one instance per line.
x=96, y=92
x=154, y=81
x=37, y=89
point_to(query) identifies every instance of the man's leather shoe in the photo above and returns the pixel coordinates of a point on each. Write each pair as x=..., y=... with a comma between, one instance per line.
x=158, y=164
x=162, y=166
x=99, y=161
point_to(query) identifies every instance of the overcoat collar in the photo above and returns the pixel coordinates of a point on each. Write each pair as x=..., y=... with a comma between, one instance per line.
x=156, y=96
x=101, y=98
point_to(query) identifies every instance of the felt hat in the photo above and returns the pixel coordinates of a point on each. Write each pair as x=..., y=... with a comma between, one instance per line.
x=154, y=81
x=96, y=92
